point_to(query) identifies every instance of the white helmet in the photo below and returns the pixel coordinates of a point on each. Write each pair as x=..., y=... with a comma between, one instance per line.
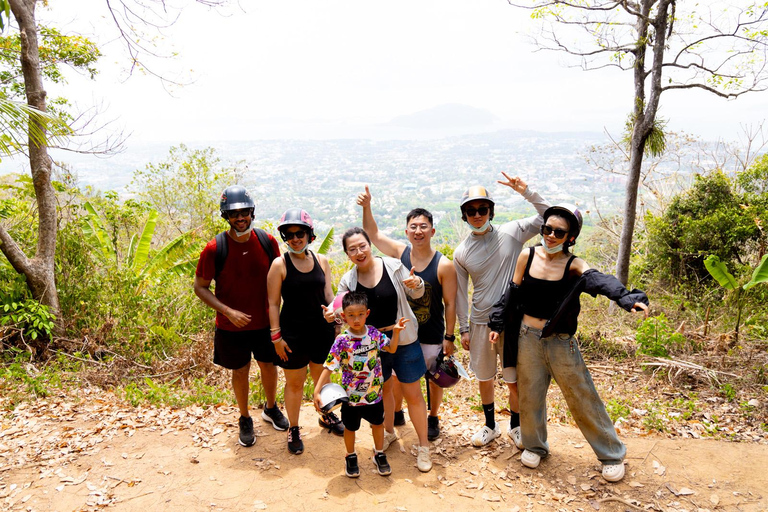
x=331, y=397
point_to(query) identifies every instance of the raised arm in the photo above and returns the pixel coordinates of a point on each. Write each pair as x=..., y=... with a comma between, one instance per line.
x=386, y=245
x=529, y=226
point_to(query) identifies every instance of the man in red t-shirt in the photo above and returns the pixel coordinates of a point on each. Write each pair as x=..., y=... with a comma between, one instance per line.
x=240, y=301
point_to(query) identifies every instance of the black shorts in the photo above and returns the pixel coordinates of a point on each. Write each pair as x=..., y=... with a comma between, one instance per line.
x=352, y=414
x=233, y=349
x=303, y=352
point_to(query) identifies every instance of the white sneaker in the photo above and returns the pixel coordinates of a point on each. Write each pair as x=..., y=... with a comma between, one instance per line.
x=485, y=435
x=423, y=461
x=613, y=472
x=517, y=438
x=389, y=438
x=530, y=459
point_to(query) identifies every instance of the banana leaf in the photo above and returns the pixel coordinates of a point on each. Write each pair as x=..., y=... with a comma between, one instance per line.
x=327, y=243
x=142, y=249
x=719, y=271
x=174, y=252
x=760, y=274
x=97, y=236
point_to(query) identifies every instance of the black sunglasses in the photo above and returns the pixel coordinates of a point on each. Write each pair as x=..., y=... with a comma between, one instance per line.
x=483, y=210
x=548, y=230
x=233, y=214
x=289, y=235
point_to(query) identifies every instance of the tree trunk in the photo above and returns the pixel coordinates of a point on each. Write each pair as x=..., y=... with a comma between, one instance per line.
x=39, y=270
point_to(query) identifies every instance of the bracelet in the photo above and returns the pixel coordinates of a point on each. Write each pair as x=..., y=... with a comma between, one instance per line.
x=337, y=318
x=276, y=336
x=274, y=329
x=450, y=337
x=278, y=340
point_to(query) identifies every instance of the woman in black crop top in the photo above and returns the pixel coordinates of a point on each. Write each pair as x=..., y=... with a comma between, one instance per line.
x=300, y=280
x=544, y=293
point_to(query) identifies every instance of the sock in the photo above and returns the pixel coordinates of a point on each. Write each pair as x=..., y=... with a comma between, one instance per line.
x=514, y=420
x=488, y=410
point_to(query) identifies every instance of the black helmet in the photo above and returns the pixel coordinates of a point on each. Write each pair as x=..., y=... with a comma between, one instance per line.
x=572, y=214
x=296, y=217
x=235, y=198
x=474, y=193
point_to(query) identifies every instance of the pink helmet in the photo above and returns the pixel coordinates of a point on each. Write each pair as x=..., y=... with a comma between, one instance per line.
x=446, y=373
x=296, y=217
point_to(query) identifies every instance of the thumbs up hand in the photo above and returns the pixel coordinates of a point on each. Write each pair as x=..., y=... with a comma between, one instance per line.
x=364, y=198
x=413, y=281
x=329, y=313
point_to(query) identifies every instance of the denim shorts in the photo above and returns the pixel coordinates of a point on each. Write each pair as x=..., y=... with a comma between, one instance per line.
x=407, y=362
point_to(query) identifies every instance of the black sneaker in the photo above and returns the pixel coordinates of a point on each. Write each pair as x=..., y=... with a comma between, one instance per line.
x=382, y=466
x=295, y=445
x=275, y=417
x=352, y=470
x=399, y=418
x=246, y=431
x=433, y=427
x=332, y=423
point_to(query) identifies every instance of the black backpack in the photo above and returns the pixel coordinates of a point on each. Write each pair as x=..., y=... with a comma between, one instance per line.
x=222, y=248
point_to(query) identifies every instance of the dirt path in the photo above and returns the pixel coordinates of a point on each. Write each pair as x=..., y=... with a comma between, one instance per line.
x=61, y=454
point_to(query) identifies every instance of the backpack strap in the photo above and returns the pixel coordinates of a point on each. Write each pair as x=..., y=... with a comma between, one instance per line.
x=266, y=244
x=222, y=249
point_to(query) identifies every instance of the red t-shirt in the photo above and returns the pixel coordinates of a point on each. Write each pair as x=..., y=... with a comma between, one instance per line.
x=242, y=283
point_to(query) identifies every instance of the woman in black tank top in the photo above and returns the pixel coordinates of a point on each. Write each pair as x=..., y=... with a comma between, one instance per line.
x=301, y=281
x=547, y=281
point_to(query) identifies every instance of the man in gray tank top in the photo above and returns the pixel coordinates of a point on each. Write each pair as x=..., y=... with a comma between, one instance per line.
x=438, y=301
x=488, y=256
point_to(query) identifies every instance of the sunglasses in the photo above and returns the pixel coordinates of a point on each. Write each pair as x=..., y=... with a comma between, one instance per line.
x=548, y=230
x=483, y=210
x=290, y=235
x=234, y=214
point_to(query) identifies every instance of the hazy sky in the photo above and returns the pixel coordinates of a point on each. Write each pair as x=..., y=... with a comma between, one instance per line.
x=265, y=69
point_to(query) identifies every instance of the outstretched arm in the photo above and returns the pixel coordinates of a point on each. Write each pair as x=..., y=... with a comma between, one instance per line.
x=386, y=245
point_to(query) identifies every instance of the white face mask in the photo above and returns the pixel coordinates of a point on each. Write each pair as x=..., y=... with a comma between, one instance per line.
x=294, y=251
x=551, y=250
x=481, y=228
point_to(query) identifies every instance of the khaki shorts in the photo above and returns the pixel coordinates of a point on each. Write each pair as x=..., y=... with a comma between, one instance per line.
x=483, y=355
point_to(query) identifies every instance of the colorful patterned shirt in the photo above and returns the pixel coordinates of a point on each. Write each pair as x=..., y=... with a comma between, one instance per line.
x=360, y=363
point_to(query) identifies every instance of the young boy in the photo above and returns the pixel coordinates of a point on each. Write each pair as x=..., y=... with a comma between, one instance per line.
x=356, y=352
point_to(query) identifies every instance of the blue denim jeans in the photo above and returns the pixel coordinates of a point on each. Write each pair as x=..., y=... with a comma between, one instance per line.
x=558, y=356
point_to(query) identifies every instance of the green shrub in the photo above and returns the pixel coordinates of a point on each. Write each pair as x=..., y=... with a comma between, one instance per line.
x=35, y=320
x=656, y=338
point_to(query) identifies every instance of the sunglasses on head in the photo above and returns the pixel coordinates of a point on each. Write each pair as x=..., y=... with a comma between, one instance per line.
x=289, y=235
x=234, y=214
x=548, y=230
x=483, y=210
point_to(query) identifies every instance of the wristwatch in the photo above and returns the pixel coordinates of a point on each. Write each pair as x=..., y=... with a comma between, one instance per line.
x=450, y=337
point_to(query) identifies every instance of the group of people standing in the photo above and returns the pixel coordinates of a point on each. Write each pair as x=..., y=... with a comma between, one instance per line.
x=402, y=307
